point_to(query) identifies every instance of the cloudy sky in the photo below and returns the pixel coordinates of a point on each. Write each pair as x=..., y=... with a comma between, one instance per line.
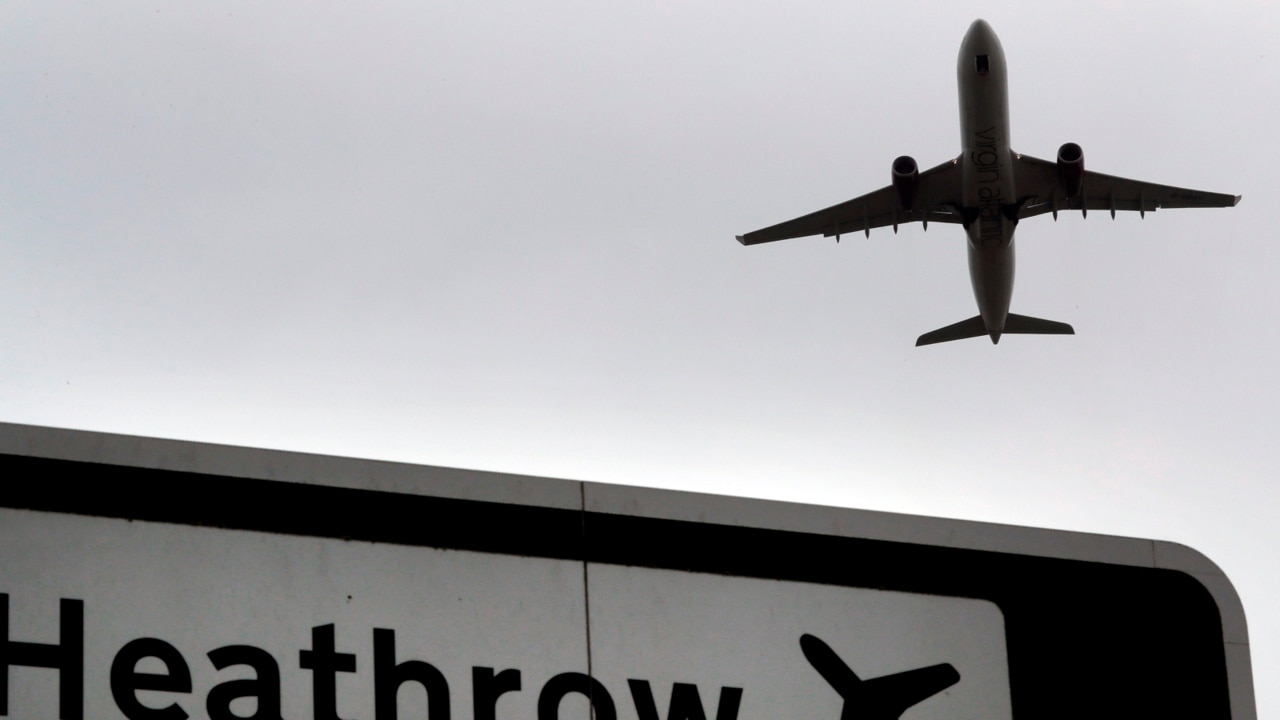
x=499, y=235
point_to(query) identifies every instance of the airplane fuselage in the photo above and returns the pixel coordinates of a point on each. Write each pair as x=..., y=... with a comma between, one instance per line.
x=987, y=172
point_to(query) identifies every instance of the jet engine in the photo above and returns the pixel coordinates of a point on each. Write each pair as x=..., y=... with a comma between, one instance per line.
x=906, y=179
x=1071, y=169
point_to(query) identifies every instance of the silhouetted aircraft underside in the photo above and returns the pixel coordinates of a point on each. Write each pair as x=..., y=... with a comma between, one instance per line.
x=988, y=189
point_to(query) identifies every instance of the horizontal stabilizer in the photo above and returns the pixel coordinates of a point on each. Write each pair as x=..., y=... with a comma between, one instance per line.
x=1024, y=325
x=1013, y=324
x=971, y=328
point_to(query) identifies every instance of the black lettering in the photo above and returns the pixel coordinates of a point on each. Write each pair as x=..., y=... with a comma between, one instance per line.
x=726, y=707
x=487, y=687
x=126, y=681
x=990, y=226
x=563, y=684
x=686, y=704
x=67, y=657
x=388, y=677
x=325, y=663
x=265, y=687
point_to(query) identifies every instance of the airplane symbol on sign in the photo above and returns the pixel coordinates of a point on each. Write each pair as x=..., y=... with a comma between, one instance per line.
x=882, y=698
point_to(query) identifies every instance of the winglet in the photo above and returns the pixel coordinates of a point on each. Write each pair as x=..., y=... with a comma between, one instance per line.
x=744, y=242
x=1237, y=202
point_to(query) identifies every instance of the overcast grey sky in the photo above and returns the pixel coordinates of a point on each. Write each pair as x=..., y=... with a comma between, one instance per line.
x=500, y=235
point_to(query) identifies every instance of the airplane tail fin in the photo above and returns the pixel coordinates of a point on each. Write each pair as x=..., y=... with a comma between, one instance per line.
x=1013, y=324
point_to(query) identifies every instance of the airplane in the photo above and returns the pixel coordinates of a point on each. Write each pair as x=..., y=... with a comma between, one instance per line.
x=882, y=698
x=988, y=189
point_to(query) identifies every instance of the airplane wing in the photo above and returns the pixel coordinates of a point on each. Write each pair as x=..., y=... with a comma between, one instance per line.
x=1038, y=188
x=891, y=695
x=937, y=198
x=828, y=664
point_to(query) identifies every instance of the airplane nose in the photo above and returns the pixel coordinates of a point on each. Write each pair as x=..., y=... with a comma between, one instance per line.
x=979, y=29
x=979, y=36
x=981, y=46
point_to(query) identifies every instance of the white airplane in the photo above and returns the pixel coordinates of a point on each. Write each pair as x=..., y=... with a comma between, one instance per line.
x=988, y=189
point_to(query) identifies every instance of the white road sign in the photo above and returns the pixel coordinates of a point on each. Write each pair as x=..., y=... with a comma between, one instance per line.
x=246, y=615
x=157, y=580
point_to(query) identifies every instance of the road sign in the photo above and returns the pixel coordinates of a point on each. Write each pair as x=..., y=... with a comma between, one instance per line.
x=159, y=580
